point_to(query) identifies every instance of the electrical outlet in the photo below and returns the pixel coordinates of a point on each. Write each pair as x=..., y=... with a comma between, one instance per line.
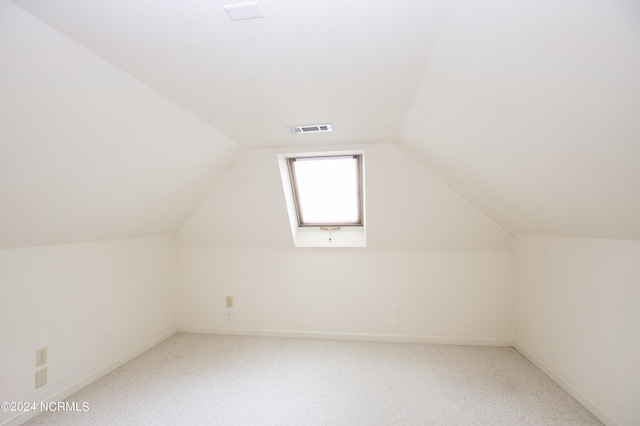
x=41, y=378
x=229, y=302
x=229, y=314
x=41, y=356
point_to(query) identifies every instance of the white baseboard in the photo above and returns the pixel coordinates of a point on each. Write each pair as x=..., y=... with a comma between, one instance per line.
x=70, y=390
x=568, y=387
x=371, y=337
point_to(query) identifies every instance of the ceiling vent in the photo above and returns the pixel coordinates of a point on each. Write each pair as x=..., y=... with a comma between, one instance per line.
x=313, y=128
x=244, y=11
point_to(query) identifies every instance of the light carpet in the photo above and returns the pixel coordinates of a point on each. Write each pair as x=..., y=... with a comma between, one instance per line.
x=201, y=379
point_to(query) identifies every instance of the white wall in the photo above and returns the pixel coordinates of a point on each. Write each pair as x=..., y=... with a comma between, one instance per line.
x=439, y=296
x=92, y=304
x=577, y=316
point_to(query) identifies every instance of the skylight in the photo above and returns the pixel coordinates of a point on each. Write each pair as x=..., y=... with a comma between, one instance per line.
x=327, y=190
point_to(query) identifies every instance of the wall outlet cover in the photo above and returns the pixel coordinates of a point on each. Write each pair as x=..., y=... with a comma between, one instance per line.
x=41, y=356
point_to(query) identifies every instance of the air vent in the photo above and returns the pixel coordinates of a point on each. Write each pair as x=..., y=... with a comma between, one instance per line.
x=244, y=11
x=313, y=128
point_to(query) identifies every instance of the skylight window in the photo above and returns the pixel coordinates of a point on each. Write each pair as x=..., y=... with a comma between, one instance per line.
x=327, y=190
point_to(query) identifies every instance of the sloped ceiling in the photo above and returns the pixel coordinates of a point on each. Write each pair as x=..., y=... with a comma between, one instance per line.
x=533, y=109
x=529, y=108
x=356, y=64
x=87, y=152
x=408, y=208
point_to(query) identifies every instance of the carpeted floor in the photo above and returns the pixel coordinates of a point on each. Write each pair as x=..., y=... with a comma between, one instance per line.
x=200, y=379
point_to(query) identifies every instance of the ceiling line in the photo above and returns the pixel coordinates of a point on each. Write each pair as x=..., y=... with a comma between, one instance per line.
x=439, y=175
x=217, y=182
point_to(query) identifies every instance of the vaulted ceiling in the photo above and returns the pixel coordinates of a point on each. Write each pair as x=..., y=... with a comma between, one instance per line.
x=118, y=118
